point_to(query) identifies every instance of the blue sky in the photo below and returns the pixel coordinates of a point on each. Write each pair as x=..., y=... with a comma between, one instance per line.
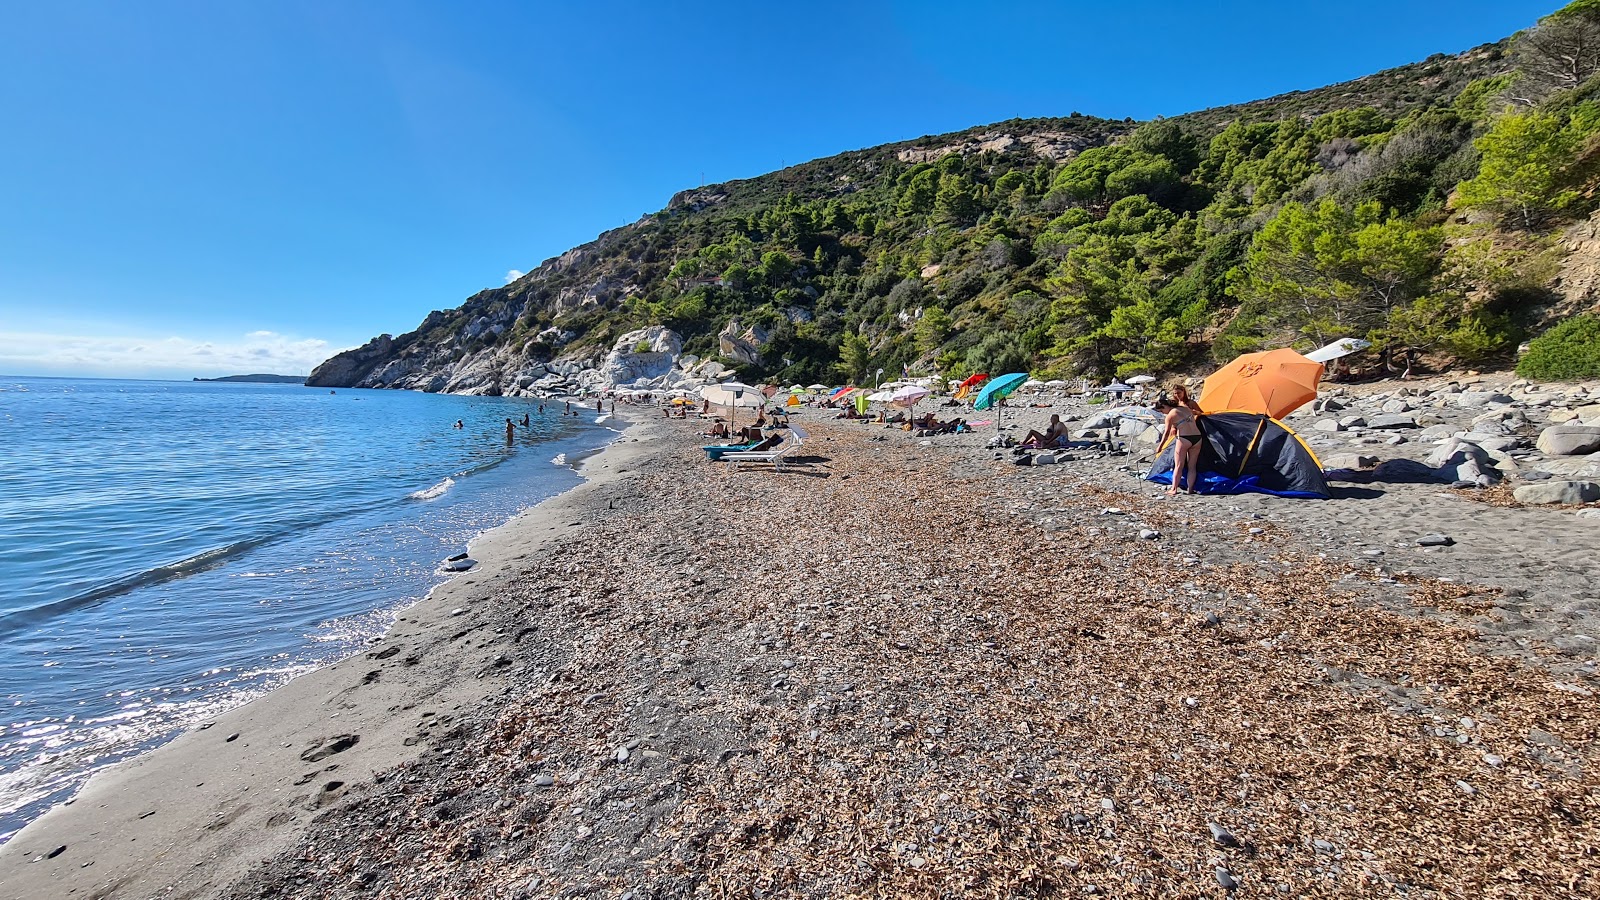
x=205, y=188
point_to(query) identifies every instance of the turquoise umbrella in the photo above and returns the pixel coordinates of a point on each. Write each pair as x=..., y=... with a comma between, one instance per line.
x=998, y=389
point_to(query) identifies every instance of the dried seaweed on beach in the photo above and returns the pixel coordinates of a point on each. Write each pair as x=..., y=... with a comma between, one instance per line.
x=864, y=678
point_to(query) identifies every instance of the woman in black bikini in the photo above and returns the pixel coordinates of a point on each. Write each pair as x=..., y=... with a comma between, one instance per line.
x=1181, y=426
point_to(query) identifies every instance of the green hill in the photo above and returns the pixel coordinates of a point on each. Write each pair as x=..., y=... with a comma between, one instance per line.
x=1429, y=208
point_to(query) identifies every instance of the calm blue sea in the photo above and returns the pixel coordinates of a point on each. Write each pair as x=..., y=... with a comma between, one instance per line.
x=169, y=550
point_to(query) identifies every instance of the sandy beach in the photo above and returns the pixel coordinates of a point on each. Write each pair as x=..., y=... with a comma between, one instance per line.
x=909, y=667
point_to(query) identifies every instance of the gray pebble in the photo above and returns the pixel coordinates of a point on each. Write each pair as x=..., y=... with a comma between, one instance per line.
x=544, y=781
x=1226, y=879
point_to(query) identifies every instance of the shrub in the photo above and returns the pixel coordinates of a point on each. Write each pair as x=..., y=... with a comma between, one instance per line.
x=1569, y=351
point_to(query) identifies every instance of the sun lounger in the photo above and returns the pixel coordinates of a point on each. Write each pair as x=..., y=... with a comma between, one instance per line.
x=716, y=451
x=797, y=436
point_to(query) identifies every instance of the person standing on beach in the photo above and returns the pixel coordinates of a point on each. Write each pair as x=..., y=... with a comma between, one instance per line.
x=1184, y=431
x=1180, y=397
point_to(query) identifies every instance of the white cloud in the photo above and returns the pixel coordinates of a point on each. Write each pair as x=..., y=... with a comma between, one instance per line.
x=31, y=353
x=514, y=274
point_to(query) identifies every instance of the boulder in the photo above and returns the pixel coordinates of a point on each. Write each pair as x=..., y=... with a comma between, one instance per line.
x=1461, y=461
x=648, y=353
x=1478, y=399
x=1547, y=493
x=1349, y=461
x=1569, y=440
x=1398, y=406
x=1326, y=425
x=1395, y=420
x=1352, y=422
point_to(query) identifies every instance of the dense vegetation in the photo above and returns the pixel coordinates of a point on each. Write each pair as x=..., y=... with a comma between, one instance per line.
x=1418, y=208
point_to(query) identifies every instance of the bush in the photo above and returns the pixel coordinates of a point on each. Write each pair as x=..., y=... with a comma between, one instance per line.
x=1567, y=352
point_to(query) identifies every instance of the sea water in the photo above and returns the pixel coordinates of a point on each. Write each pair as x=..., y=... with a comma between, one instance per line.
x=170, y=550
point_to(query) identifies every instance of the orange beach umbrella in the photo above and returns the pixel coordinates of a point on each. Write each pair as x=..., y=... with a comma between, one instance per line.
x=1274, y=382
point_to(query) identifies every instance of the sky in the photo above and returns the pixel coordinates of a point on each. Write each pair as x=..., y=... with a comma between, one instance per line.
x=201, y=188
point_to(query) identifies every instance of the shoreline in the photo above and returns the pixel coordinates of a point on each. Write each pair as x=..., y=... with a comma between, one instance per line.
x=157, y=820
x=906, y=666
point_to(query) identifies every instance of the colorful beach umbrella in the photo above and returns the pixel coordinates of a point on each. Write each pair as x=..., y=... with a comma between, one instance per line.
x=998, y=389
x=1272, y=382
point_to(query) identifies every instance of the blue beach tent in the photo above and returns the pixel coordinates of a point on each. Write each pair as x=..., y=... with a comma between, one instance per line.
x=1245, y=452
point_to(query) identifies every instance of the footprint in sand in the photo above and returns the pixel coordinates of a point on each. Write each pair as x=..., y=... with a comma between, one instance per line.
x=329, y=746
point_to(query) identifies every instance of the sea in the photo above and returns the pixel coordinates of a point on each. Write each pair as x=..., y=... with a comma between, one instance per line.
x=171, y=550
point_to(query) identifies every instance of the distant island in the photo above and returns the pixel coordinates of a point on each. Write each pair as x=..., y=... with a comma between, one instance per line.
x=260, y=379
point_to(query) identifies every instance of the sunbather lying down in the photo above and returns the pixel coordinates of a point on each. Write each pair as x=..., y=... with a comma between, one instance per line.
x=928, y=422
x=1052, y=436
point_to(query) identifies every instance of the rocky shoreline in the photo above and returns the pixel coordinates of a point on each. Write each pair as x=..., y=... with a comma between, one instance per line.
x=910, y=666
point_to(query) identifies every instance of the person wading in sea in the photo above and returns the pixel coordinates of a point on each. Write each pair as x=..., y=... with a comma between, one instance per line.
x=511, y=431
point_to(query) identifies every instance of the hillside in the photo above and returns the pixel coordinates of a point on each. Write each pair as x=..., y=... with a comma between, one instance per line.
x=1396, y=207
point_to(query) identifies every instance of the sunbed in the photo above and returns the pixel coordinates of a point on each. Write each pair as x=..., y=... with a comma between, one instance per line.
x=797, y=436
x=716, y=451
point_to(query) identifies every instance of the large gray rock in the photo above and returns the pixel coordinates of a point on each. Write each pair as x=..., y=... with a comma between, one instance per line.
x=1550, y=492
x=1569, y=440
x=1392, y=421
x=1477, y=399
x=648, y=353
x=1458, y=460
x=1349, y=461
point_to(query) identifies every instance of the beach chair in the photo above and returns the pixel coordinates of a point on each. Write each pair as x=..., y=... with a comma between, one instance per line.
x=796, y=437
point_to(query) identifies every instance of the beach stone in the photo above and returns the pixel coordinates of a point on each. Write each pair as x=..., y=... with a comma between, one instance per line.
x=1148, y=534
x=1569, y=440
x=1477, y=399
x=1392, y=421
x=1434, y=432
x=1589, y=513
x=543, y=781
x=1552, y=492
x=1329, y=425
x=1435, y=540
x=1459, y=460
x=1222, y=836
x=1398, y=406
x=1045, y=459
x=1353, y=422
x=1349, y=461
x=1226, y=879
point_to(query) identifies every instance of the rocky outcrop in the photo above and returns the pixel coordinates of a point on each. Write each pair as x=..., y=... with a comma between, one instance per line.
x=742, y=345
x=351, y=367
x=641, y=356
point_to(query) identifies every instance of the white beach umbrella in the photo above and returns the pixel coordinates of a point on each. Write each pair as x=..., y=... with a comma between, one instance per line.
x=733, y=394
x=1141, y=379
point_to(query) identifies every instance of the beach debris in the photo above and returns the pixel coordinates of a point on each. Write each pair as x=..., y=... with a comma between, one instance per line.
x=916, y=681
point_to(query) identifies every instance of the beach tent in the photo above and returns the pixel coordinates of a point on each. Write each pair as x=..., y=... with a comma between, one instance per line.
x=1248, y=452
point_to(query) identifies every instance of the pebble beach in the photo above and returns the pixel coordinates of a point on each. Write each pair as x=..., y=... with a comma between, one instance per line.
x=909, y=666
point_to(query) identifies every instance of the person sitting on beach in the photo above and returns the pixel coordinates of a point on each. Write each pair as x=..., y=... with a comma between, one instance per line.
x=718, y=430
x=761, y=417
x=1050, y=437
x=1182, y=428
x=751, y=434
